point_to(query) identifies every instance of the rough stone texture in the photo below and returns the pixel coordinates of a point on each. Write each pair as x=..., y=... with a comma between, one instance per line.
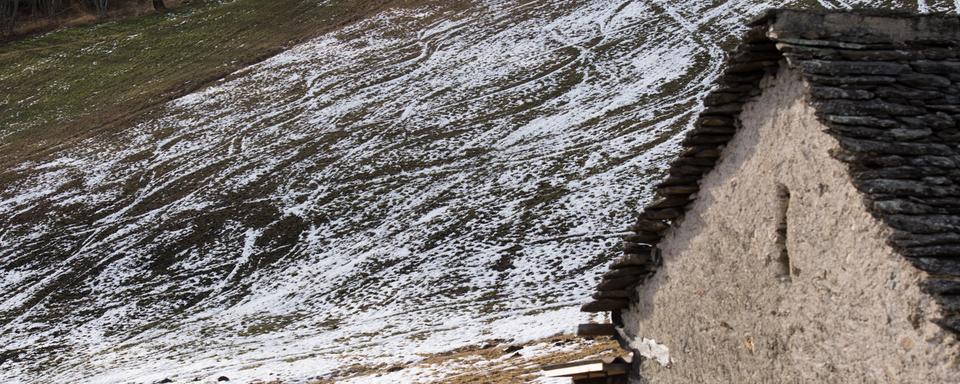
x=866, y=140
x=851, y=309
x=884, y=86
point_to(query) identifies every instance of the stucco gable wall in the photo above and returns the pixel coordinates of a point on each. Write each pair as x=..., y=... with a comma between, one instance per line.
x=851, y=312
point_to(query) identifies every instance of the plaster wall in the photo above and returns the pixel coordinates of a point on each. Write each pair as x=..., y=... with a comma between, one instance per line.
x=842, y=308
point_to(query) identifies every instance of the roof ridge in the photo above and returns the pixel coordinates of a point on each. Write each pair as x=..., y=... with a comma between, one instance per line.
x=770, y=14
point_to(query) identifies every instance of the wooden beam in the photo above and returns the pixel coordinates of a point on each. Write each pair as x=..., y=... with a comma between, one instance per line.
x=607, y=367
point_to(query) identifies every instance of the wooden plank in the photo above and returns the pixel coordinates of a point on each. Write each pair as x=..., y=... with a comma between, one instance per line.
x=588, y=369
x=611, y=370
x=571, y=369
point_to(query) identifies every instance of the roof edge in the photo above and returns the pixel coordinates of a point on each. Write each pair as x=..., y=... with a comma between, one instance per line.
x=864, y=26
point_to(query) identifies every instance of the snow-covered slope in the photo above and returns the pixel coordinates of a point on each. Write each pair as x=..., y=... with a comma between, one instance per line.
x=427, y=178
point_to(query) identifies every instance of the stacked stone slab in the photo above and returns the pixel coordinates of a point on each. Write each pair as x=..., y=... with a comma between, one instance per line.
x=887, y=86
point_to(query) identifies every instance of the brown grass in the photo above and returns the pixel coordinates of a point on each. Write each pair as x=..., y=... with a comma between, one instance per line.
x=521, y=369
x=489, y=363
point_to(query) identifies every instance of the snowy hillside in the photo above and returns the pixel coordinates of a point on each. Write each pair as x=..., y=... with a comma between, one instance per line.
x=427, y=178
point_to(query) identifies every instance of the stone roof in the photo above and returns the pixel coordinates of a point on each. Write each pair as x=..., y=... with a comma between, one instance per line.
x=887, y=86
